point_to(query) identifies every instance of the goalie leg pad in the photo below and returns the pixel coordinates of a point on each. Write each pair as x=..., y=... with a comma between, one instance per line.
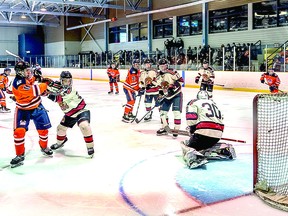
x=194, y=159
x=221, y=151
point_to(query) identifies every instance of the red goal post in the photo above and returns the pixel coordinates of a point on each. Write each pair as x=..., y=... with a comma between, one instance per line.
x=270, y=149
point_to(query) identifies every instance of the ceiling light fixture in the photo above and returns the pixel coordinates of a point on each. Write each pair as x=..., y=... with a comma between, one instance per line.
x=23, y=16
x=43, y=8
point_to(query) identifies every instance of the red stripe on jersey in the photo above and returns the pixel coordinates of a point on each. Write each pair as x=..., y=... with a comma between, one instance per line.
x=210, y=125
x=80, y=106
x=191, y=116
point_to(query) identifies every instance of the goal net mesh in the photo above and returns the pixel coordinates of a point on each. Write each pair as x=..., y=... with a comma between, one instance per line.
x=270, y=127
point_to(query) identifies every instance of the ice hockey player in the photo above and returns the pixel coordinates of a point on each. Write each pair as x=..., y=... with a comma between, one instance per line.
x=169, y=82
x=207, y=75
x=28, y=107
x=75, y=111
x=4, y=80
x=271, y=79
x=114, y=77
x=205, y=122
x=130, y=86
x=148, y=82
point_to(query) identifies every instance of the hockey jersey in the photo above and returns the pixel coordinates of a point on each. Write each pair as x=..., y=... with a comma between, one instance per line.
x=271, y=80
x=71, y=104
x=207, y=74
x=148, y=81
x=3, y=81
x=132, y=80
x=114, y=73
x=204, y=117
x=172, y=79
x=27, y=94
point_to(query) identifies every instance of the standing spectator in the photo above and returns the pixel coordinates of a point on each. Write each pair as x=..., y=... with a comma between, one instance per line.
x=206, y=73
x=169, y=82
x=114, y=77
x=271, y=79
x=130, y=86
x=4, y=88
x=205, y=122
x=28, y=107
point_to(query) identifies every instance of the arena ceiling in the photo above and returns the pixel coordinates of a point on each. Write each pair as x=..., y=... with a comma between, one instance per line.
x=48, y=12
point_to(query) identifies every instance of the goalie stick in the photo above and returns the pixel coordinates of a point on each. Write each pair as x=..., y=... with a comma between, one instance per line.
x=186, y=133
x=12, y=54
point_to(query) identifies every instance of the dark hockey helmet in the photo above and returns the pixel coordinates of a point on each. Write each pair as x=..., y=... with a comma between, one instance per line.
x=163, y=61
x=148, y=61
x=20, y=67
x=136, y=61
x=7, y=71
x=66, y=79
x=202, y=95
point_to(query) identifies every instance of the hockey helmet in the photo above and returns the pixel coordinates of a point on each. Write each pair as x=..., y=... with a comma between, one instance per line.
x=270, y=71
x=202, y=95
x=66, y=80
x=7, y=71
x=136, y=61
x=20, y=68
x=163, y=61
x=148, y=61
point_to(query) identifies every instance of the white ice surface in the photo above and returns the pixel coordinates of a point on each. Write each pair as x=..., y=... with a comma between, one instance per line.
x=70, y=184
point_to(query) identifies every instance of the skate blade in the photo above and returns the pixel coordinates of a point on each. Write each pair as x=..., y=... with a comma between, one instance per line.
x=17, y=165
x=90, y=156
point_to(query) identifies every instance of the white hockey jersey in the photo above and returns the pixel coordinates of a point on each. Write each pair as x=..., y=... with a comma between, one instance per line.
x=205, y=117
x=143, y=79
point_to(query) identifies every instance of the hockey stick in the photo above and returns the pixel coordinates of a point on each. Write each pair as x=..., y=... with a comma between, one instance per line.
x=12, y=54
x=139, y=120
x=278, y=89
x=186, y=133
x=137, y=109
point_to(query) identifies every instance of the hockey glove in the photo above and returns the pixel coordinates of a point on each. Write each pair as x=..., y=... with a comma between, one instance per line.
x=141, y=92
x=170, y=91
x=161, y=92
x=197, y=79
x=159, y=101
x=48, y=81
x=262, y=81
x=13, y=98
x=272, y=88
x=38, y=75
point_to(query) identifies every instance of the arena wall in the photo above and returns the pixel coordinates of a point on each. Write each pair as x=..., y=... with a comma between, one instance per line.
x=237, y=81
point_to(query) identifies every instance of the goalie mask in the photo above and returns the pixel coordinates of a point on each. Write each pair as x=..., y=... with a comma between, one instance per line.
x=66, y=81
x=22, y=69
x=202, y=95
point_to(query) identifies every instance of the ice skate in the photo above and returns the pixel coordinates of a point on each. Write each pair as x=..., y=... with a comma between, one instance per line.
x=90, y=152
x=148, y=117
x=161, y=132
x=57, y=146
x=5, y=110
x=47, y=152
x=110, y=92
x=117, y=92
x=126, y=119
x=131, y=116
x=17, y=161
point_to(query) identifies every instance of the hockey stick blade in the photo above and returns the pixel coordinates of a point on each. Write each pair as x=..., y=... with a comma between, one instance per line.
x=12, y=54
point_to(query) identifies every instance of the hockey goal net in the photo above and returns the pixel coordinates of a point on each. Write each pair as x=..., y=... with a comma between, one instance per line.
x=270, y=148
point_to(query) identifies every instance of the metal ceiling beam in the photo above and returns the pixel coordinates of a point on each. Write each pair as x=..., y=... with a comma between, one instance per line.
x=29, y=23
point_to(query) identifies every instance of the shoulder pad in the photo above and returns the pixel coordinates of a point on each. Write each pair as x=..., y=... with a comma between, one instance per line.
x=18, y=82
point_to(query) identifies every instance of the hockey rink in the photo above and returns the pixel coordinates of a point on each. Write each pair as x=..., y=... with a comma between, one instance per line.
x=133, y=172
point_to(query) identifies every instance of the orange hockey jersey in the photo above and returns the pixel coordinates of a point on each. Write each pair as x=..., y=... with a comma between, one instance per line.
x=26, y=93
x=3, y=81
x=271, y=80
x=132, y=80
x=114, y=73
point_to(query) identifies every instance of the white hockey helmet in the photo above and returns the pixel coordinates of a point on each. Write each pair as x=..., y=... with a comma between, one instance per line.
x=202, y=95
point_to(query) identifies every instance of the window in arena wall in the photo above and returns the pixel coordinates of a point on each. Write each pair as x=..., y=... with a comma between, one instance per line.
x=265, y=14
x=117, y=34
x=163, y=28
x=189, y=25
x=229, y=19
x=138, y=31
x=283, y=12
